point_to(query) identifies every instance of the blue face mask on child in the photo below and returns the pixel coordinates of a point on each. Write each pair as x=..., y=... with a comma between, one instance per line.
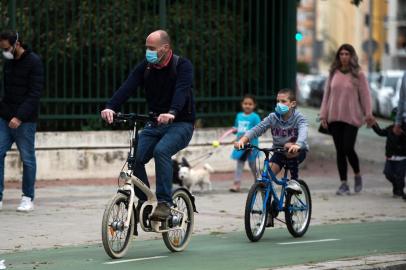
x=281, y=109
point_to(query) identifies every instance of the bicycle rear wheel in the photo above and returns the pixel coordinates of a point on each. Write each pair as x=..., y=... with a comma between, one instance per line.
x=179, y=238
x=256, y=212
x=298, y=211
x=115, y=236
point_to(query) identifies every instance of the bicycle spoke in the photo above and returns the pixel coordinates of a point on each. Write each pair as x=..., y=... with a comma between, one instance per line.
x=118, y=216
x=298, y=211
x=177, y=235
x=257, y=212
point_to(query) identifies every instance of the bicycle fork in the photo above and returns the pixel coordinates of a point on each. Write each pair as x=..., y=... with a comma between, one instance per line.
x=130, y=182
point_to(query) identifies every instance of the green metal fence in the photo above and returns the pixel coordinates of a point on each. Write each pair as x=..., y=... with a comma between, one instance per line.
x=89, y=47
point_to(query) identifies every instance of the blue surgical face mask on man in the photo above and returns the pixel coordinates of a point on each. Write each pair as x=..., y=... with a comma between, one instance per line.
x=152, y=56
x=281, y=109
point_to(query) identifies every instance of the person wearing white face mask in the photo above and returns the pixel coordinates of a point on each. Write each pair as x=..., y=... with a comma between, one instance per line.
x=167, y=80
x=23, y=79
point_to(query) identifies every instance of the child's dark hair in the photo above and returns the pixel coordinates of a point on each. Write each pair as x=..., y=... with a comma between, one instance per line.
x=252, y=97
x=290, y=92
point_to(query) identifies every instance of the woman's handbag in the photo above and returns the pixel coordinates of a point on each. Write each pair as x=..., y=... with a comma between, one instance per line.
x=324, y=130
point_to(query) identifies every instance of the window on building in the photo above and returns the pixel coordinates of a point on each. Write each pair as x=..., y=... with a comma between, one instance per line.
x=401, y=38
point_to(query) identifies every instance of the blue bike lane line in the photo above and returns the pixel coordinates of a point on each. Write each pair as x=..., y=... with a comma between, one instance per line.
x=229, y=250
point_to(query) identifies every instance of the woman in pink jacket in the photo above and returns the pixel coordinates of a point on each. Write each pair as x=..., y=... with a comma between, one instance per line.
x=346, y=106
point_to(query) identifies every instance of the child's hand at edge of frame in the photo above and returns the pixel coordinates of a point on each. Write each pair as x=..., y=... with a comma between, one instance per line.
x=241, y=143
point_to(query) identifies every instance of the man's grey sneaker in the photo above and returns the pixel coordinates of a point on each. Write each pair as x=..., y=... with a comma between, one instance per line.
x=162, y=211
x=357, y=183
x=26, y=205
x=293, y=186
x=344, y=189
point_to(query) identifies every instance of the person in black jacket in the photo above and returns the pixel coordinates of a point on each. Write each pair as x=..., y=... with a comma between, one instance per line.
x=395, y=151
x=167, y=80
x=23, y=79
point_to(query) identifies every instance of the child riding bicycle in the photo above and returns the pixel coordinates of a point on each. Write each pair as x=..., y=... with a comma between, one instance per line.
x=289, y=130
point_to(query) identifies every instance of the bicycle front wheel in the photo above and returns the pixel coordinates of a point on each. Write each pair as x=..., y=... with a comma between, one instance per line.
x=115, y=236
x=256, y=212
x=179, y=238
x=298, y=210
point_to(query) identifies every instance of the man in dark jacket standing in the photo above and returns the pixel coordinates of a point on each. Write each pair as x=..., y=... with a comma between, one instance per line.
x=23, y=78
x=167, y=80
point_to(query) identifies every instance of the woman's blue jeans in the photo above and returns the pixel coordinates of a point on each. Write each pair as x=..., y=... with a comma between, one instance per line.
x=161, y=142
x=24, y=137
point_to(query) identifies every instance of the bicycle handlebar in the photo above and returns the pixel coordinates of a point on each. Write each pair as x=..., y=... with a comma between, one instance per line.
x=133, y=117
x=265, y=150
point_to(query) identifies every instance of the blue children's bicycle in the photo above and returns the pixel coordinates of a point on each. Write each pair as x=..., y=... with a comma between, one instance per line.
x=263, y=203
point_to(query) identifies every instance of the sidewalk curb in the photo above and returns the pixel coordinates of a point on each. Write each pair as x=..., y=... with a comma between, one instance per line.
x=377, y=262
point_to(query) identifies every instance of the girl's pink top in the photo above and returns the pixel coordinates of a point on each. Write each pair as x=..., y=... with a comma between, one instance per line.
x=347, y=99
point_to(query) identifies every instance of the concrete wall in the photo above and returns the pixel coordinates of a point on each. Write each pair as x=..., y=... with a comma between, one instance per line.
x=101, y=154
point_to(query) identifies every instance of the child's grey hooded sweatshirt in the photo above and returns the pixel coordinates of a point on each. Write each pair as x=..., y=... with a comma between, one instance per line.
x=293, y=130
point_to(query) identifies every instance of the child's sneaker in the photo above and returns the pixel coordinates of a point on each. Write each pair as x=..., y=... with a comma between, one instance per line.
x=26, y=205
x=293, y=186
x=235, y=188
x=344, y=189
x=398, y=194
x=2, y=264
x=357, y=183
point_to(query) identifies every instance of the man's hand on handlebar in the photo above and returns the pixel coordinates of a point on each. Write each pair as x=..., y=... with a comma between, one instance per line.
x=108, y=115
x=241, y=143
x=165, y=118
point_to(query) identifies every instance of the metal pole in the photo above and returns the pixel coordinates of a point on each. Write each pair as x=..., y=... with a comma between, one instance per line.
x=12, y=14
x=370, y=49
x=315, y=68
x=162, y=13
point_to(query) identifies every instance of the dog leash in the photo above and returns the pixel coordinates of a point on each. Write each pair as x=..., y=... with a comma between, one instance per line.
x=201, y=159
x=216, y=143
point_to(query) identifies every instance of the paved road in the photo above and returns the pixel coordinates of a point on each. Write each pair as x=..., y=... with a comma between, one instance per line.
x=70, y=214
x=229, y=250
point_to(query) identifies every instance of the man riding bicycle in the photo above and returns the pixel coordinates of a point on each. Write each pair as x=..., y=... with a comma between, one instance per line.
x=167, y=81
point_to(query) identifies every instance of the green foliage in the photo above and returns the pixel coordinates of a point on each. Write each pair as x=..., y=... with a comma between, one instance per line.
x=89, y=47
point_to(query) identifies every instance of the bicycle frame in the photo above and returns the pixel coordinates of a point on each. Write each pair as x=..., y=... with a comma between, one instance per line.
x=132, y=181
x=268, y=178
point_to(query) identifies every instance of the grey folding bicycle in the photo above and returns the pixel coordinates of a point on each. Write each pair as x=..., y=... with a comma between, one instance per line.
x=122, y=214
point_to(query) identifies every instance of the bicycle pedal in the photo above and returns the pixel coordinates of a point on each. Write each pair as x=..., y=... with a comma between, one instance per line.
x=261, y=184
x=269, y=222
x=295, y=192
